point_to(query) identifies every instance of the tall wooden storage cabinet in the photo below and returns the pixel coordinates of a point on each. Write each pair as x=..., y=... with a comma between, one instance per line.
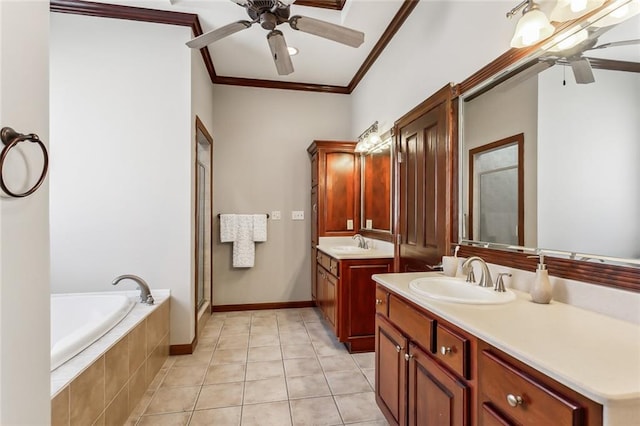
x=335, y=194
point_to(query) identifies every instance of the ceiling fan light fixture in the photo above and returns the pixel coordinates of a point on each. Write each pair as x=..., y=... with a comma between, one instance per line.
x=532, y=27
x=279, y=52
x=562, y=43
x=567, y=10
x=293, y=51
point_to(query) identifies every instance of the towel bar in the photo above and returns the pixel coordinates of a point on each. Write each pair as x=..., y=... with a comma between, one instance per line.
x=265, y=213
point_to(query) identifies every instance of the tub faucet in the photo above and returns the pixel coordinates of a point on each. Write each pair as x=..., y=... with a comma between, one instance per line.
x=362, y=243
x=485, y=278
x=145, y=293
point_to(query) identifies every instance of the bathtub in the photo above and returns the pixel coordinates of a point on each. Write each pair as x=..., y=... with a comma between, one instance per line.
x=78, y=320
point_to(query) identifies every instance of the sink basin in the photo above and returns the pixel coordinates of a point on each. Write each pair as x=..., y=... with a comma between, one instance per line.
x=349, y=249
x=455, y=290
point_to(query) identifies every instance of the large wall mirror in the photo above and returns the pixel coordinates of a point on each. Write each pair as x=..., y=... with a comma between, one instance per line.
x=580, y=130
x=376, y=190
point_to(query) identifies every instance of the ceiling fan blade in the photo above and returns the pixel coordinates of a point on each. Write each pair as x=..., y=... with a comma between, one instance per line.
x=616, y=43
x=327, y=30
x=217, y=34
x=279, y=52
x=582, y=70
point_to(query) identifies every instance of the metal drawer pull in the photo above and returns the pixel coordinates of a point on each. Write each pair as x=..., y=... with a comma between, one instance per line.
x=379, y=301
x=10, y=138
x=408, y=356
x=445, y=350
x=514, y=400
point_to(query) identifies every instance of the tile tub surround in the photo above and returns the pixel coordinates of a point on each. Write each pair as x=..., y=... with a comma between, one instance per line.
x=272, y=367
x=103, y=383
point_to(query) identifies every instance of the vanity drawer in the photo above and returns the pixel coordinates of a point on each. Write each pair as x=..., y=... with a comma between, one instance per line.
x=382, y=301
x=419, y=327
x=334, y=267
x=324, y=260
x=453, y=350
x=523, y=398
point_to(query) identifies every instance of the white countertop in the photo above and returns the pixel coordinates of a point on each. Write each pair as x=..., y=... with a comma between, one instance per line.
x=368, y=254
x=593, y=354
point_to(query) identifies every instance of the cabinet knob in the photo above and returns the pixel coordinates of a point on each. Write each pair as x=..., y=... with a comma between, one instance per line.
x=398, y=348
x=445, y=350
x=514, y=400
x=379, y=301
x=408, y=356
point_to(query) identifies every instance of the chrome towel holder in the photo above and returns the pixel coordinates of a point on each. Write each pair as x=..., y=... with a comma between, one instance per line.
x=11, y=138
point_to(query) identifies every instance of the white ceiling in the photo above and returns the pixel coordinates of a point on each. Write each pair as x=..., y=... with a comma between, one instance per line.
x=319, y=61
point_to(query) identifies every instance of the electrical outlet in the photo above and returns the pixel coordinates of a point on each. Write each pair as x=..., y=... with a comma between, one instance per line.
x=275, y=215
x=349, y=224
x=297, y=215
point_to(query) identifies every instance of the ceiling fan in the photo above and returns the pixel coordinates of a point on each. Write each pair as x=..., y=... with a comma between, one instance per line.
x=574, y=56
x=271, y=13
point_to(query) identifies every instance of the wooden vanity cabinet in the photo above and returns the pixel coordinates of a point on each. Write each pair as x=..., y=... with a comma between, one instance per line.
x=414, y=384
x=430, y=372
x=346, y=296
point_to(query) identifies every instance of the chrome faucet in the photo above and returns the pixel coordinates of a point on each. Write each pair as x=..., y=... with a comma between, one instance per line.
x=145, y=293
x=362, y=243
x=485, y=278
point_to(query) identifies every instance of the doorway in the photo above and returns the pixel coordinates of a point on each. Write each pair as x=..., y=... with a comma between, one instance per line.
x=203, y=221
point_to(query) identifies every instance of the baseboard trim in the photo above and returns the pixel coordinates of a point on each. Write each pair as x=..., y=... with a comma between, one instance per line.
x=262, y=306
x=184, y=349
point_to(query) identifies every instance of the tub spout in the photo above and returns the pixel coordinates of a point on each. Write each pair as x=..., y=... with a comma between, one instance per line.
x=145, y=293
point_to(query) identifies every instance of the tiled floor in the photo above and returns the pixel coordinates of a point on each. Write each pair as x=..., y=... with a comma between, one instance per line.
x=277, y=367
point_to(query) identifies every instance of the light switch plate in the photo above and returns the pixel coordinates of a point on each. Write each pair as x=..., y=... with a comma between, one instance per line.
x=369, y=224
x=349, y=224
x=297, y=215
x=275, y=215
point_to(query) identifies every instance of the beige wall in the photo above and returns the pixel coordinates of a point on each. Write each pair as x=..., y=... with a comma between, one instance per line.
x=261, y=165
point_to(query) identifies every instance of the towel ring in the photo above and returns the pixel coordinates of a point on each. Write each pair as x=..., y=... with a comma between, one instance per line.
x=11, y=138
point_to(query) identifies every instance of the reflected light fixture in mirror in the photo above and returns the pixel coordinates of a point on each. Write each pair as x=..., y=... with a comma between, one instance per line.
x=620, y=14
x=567, y=10
x=369, y=139
x=532, y=27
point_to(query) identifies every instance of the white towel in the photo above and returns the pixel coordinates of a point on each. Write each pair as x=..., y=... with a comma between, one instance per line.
x=259, y=227
x=243, y=246
x=228, y=228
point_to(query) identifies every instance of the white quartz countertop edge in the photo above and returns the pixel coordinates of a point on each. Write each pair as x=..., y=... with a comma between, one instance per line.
x=593, y=354
x=369, y=254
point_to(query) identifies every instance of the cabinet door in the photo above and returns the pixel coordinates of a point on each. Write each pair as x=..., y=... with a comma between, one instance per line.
x=489, y=416
x=391, y=372
x=340, y=194
x=314, y=216
x=436, y=397
x=425, y=181
x=331, y=290
x=320, y=288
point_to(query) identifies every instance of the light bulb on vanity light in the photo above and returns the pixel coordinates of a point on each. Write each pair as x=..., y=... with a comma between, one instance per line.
x=567, y=10
x=532, y=27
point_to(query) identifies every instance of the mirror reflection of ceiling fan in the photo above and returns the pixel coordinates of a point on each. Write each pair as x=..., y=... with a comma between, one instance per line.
x=574, y=55
x=271, y=13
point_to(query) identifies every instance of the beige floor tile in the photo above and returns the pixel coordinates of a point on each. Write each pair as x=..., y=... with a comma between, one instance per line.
x=376, y=423
x=238, y=317
x=173, y=419
x=234, y=329
x=264, y=340
x=337, y=363
x=307, y=386
x=315, y=412
x=185, y=376
x=234, y=341
x=220, y=395
x=345, y=382
x=227, y=416
x=292, y=327
x=311, y=315
x=258, y=330
x=301, y=367
x=365, y=360
x=264, y=370
x=225, y=373
x=370, y=374
x=329, y=348
x=294, y=338
x=264, y=353
x=170, y=400
x=267, y=390
x=266, y=321
x=229, y=356
x=359, y=407
x=269, y=414
x=298, y=351
x=210, y=331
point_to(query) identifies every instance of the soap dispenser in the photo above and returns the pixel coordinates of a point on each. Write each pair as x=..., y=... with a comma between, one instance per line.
x=541, y=288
